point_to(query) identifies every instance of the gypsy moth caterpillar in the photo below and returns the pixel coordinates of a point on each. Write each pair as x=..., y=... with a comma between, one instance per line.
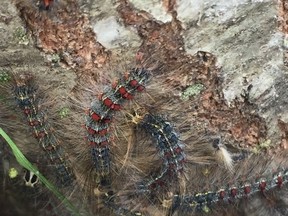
x=169, y=148
x=101, y=112
x=239, y=188
x=100, y=141
x=25, y=96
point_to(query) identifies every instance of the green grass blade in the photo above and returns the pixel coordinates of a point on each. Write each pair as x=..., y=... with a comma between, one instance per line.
x=22, y=160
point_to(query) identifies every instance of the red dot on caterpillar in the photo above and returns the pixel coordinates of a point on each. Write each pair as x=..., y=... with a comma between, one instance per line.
x=101, y=144
x=33, y=122
x=49, y=148
x=28, y=111
x=108, y=102
x=107, y=120
x=91, y=131
x=105, y=143
x=103, y=132
x=94, y=115
x=133, y=83
x=40, y=134
x=247, y=189
x=122, y=90
x=167, y=154
x=127, y=96
x=97, y=117
x=222, y=194
x=233, y=192
x=46, y=4
x=140, y=88
x=262, y=185
x=279, y=180
x=116, y=107
x=178, y=150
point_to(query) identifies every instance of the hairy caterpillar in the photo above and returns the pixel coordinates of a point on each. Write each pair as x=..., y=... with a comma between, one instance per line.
x=25, y=94
x=252, y=180
x=201, y=201
x=169, y=148
x=27, y=97
x=101, y=113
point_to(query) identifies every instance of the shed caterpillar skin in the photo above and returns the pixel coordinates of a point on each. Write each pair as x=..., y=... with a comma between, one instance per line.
x=25, y=96
x=101, y=113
